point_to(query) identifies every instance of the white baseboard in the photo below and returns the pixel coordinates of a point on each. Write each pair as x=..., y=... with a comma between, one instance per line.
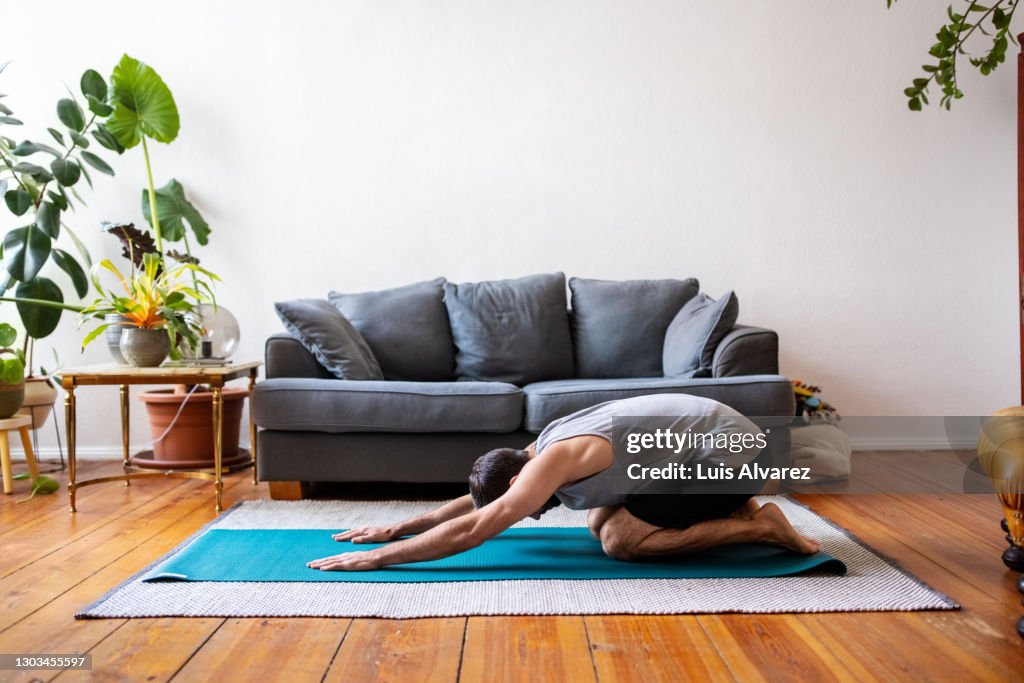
x=910, y=444
x=858, y=443
x=81, y=453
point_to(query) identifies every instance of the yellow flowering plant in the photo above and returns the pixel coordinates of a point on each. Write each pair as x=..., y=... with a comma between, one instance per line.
x=152, y=297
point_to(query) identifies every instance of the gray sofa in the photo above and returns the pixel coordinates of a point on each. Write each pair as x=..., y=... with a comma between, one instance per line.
x=315, y=427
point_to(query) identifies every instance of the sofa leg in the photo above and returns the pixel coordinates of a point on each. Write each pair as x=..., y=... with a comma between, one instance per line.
x=288, y=490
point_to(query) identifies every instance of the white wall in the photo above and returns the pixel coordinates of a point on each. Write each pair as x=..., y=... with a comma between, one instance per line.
x=760, y=146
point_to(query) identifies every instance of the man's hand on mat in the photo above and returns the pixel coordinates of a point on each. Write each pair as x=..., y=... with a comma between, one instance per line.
x=347, y=562
x=366, y=534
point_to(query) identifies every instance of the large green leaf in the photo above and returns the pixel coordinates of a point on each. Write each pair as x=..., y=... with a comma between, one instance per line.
x=65, y=171
x=104, y=137
x=18, y=201
x=12, y=371
x=70, y=114
x=93, y=84
x=175, y=210
x=69, y=265
x=98, y=164
x=7, y=334
x=143, y=105
x=39, y=321
x=37, y=172
x=48, y=219
x=25, y=251
x=58, y=198
x=26, y=148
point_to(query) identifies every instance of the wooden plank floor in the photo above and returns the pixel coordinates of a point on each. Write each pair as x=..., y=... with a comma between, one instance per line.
x=53, y=563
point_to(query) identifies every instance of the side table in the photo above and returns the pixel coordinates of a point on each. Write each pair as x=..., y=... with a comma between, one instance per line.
x=124, y=376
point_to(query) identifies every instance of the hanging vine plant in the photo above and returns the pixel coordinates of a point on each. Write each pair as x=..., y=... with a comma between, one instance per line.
x=984, y=27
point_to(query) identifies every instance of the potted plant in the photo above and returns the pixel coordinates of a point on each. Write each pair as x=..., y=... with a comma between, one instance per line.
x=154, y=309
x=40, y=182
x=12, y=373
x=144, y=110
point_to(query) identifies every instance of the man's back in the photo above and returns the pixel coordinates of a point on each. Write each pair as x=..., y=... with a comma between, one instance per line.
x=678, y=412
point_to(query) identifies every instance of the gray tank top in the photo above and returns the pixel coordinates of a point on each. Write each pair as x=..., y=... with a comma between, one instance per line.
x=604, y=487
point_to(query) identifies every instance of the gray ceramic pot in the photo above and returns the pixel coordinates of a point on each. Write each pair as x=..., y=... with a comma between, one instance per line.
x=144, y=348
x=112, y=335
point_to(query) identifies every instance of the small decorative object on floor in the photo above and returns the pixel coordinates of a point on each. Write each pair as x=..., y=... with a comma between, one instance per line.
x=1001, y=455
x=808, y=403
x=815, y=440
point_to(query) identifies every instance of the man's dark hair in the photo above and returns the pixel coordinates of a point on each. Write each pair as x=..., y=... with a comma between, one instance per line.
x=488, y=480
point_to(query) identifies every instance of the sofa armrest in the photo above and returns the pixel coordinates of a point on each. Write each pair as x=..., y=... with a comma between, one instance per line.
x=286, y=357
x=747, y=351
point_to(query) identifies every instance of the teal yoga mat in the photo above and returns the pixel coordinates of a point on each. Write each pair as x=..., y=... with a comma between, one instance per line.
x=517, y=554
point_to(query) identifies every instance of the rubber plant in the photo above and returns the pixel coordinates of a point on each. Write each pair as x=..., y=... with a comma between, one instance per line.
x=40, y=183
x=988, y=24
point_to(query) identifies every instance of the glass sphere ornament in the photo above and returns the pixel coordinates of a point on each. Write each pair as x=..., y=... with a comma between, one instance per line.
x=220, y=335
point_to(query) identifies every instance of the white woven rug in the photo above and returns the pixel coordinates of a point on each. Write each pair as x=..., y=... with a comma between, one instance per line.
x=872, y=584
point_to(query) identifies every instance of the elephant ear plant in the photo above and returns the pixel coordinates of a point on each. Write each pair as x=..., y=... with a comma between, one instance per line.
x=144, y=109
x=39, y=182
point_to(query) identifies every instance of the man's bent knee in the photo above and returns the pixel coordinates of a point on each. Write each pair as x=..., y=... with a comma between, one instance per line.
x=597, y=517
x=617, y=546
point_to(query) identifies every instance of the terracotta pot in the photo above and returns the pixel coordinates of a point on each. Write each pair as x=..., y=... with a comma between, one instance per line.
x=189, y=443
x=11, y=396
x=39, y=398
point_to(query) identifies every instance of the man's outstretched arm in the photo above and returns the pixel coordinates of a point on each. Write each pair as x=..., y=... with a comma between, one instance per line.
x=534, y=486
x=414, y=525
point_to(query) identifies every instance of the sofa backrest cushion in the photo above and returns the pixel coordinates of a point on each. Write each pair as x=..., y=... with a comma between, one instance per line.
x=695, y=333
x=406, y=328
x=619, y=326
x=514, y=331
x=332, y=339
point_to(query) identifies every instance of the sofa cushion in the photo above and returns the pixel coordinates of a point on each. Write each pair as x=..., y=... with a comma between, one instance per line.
x=753, y=395
x=406, y=328
x=619, y=327
x=325, y=333
x=695, y=332
x=513, y=331
x=327, y=405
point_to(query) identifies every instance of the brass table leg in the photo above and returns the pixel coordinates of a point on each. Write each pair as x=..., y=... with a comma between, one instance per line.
x=69, y=417
x=218, y=414
x=252, y=425
x=124, y=430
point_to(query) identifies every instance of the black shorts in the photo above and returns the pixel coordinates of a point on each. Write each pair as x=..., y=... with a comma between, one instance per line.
x=679, y=510
x=683, y=510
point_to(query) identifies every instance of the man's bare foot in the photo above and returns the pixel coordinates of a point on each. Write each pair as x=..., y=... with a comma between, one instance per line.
x=748, y=509
x=778, y=531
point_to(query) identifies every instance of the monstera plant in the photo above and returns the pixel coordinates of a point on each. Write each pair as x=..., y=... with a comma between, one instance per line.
x=39, y=183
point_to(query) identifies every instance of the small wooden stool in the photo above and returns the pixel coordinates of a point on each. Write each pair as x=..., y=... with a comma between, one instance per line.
x=21, y=423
